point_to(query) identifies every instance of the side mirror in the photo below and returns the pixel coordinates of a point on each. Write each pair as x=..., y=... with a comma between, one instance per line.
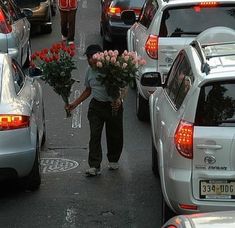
x=151, y=79
x=128, y=17
x=27, y=13
x=35, y=72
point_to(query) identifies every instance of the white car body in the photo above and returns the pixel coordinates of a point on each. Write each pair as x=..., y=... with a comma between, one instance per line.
x=219, y=219
x=167, y=45
x=195, y=159
x=20, y=139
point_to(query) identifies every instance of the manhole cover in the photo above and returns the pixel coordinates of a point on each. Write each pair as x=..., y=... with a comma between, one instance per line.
x=55, y=165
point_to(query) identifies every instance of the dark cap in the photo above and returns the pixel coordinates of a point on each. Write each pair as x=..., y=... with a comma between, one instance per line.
x=92, y=49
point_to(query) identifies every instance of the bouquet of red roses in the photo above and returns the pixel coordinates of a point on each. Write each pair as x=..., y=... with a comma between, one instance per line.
x=57, y=65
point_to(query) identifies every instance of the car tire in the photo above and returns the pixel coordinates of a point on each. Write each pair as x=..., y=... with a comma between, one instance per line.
x=44, y=130
x=46, y=29
x=167, y=213
x=33, y=180
x=154, y=161
x=106, y=44
x=142, y=108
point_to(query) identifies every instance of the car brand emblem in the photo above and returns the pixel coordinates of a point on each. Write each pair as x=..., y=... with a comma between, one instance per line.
x=168, y=60
x=210, y=159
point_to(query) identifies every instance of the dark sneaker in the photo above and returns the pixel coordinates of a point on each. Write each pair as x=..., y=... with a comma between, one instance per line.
x=91, y=172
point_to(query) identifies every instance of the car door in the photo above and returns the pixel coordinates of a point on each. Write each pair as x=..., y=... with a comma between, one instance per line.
x=139, y=32
x=21, y=30
x=214, y=143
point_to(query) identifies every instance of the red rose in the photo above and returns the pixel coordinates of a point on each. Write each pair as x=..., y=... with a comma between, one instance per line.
x=72, y=53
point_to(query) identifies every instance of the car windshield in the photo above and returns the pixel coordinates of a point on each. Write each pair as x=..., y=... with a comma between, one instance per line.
x=28, y=3
x=216, y=105
x=192, y=20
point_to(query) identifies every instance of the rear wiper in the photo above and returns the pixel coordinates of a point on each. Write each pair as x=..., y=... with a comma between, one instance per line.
x=180, y=33
x=226, y=121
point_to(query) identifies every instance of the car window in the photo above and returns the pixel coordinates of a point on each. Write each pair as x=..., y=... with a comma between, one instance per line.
x=180, y=81
x=28, y=3
x=191, y=20
x=125, y=4
x=148, y=12
x=18, y=76
x=216, y=104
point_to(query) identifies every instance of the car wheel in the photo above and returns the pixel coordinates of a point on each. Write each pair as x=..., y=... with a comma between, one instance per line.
x=167, y=213
x=53, y=10
x=44, y=130
x=46, y=29
x=154, y=160
x=106, y=44
x=142, y=108
x=33, y=180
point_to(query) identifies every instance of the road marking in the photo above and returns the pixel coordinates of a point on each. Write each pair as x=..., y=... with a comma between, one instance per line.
x=84, y=4
x=81, y=46
x=70, y=218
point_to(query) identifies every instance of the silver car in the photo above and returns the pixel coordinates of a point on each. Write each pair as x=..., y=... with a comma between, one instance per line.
x=164, y=27
x=22, y=123
x=219, y=219
x=15, y=32
x=192, y=119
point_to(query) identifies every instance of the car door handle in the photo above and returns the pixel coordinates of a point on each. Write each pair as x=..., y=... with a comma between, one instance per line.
x=157, y=108
x=205, y=146
x=169, y=51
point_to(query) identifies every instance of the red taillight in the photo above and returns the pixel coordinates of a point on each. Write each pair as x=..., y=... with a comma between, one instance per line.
x=137, y=12
x=205, y=5
x=188, y=206
x=184, y=139
x=114, y=11
x=171, y=226
x=208, y=4
x=5, y=27
x=151, y=46
x=10, y=122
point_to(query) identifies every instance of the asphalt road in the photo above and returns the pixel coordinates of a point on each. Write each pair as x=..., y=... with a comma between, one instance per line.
x=126, y=198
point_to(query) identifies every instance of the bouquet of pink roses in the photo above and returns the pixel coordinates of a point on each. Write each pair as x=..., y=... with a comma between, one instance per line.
x=116, y=71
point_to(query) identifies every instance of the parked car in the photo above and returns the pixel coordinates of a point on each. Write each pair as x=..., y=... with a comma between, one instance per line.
x=43, y=10
x=192, y=117
x=22, y=123
x=112, y=26
x=15, y=32
x=163, y=28
x=220, y=219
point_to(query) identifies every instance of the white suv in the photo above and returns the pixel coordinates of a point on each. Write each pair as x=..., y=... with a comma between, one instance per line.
x=192, y=117
x=163, y=28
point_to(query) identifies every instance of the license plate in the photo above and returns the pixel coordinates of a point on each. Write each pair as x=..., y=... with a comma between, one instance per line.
x=217, y=189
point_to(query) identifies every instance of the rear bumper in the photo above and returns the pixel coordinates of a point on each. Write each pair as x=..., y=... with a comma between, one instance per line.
x=40, y=15
x=117, y=30
x=17, y=151
x=179, y=191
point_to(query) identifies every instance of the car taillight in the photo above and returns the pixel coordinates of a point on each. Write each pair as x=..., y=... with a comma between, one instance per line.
x=114, y=11
x=137, y=12
x=5, y=27
x=151, y=46
x=208, y=4
x=202, y=5
x=10, y=122
x=184, y=139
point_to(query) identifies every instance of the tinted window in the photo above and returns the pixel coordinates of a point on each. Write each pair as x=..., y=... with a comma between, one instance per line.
x=148, y=12
x=180, y=81
x=216, y=105
x=189, y=21
x=28, y=3
x=126, y=4
x=18, y=76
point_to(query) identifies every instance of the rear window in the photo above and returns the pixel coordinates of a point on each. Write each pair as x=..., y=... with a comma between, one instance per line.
x=192, y=20
x=216, y=105
x=28, y=3
x=126, y=4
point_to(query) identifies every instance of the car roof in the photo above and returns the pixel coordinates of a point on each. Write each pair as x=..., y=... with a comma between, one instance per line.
x=189, y=2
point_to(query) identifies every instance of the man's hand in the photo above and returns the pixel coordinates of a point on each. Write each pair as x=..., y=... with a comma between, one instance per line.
x=116, y=104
